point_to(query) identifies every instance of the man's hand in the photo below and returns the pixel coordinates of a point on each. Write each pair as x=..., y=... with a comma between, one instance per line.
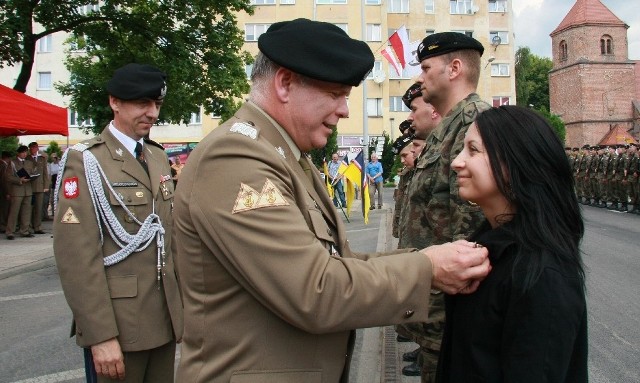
x=108, y=359
x=458, y=267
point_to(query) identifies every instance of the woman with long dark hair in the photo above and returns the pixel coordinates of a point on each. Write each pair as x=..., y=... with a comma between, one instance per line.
x=527, y=322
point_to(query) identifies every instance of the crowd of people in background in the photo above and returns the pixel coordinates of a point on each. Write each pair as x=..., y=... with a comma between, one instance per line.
x=606, y=176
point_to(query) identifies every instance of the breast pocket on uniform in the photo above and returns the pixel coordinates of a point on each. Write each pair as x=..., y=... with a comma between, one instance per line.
x=320, y=228
x=135, y=199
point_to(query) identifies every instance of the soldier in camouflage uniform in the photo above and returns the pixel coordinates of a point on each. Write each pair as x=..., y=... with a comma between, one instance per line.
x=424, y=119
x=435, y=214
x=608, y=176
x=621, y=178
x=583, y=162
x=402, y=149
x=632, y=178
x=599, y=200
x=589, y=159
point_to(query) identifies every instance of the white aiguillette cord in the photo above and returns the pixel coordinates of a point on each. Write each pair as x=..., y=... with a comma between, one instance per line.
x=150, y=228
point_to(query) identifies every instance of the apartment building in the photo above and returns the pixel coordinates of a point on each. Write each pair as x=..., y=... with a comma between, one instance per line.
x=375, y=106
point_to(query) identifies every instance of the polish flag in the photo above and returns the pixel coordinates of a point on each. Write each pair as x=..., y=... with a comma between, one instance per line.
x=400, y=44
x=388, y=54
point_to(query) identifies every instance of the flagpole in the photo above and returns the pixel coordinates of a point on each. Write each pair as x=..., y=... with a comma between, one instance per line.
x=365, y=119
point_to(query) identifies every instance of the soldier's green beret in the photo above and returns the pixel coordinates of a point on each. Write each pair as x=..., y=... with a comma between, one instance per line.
x=411, y=94
x=319, y=50
x=444, y=42
x=138, y=81
x=400, y=143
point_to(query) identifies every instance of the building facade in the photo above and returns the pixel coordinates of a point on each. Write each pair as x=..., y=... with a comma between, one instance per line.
x=375, y=106
x=593, y=85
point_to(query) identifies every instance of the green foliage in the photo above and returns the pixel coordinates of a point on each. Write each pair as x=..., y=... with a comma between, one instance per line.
x=555, y=121
x=53, y=148
x=387, y=158
x=532, y=79
x=9, y=144
x=196, y=42
x=319, y=155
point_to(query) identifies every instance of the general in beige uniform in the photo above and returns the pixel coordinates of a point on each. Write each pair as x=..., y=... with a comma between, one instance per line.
x=271, y=289
x=112, y=244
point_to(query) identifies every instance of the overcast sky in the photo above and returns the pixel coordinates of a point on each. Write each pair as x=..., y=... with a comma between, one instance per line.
x=536, y=19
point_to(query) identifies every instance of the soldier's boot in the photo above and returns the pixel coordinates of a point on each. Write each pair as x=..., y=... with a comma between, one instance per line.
x=613, y=206
x=623, y=207
x=587, y=201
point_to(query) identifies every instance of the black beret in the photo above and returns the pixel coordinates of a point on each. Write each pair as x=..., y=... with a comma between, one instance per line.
x=400, y=143
x=319, y=50
x=404, y=125
x=138, y=81
x=412, y=93
x=440, y=43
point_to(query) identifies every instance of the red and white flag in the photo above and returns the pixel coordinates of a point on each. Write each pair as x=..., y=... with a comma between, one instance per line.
x=400, y=43
x=391, y=58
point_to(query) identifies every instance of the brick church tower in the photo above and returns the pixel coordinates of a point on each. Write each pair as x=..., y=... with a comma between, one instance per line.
x=593, y=85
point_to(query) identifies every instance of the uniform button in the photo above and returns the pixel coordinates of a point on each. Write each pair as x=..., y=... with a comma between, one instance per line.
x=129, y=199
x=329, y=231
x=408, y=313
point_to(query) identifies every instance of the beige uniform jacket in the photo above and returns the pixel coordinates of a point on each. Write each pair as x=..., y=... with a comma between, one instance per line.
x=43, y=181
x=17, y=189
x=264, y=299
x=122, y=300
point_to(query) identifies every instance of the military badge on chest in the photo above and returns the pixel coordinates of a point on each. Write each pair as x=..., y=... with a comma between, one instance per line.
x=163, y=185
x=70, y=187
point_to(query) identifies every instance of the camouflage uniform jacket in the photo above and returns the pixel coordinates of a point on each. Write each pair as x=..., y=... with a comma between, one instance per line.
x=435, y=213
x=400, y=193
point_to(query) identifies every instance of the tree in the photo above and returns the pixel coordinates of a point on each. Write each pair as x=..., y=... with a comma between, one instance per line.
x=532, y=86
x=532, y=79
x=53, y=148
x=9, y=144
x=196, y=42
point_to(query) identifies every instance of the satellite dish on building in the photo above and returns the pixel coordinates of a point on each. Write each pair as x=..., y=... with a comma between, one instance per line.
x=496, y=40
x=378, y=76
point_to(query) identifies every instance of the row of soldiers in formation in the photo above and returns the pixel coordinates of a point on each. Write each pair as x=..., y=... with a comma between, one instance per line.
x=606, y=176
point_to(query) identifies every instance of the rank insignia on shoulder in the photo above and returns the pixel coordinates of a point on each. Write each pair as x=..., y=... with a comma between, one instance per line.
x=281, y=151
x=119, y=152
x=249, y=199
x=70, y=187
x=244, y=129
x=69, y=216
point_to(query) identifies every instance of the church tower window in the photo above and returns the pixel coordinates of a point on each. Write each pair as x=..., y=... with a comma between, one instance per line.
x=606, y=45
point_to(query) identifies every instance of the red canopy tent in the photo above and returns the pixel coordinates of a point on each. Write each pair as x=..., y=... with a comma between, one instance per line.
x=24, y=115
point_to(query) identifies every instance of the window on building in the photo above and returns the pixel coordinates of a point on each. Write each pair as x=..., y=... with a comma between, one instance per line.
x=262, y=2
x=429, y=6
x=88, y=8
x=468, y=33
x=374, y=107
x=500, y=100
x=430, y=31
x=396, y=104
x=374, y=32
x=563, y=50
x=331, y=1
x=344, y=27
x=196, y=118
x=606, y=45
x=460, y=7
x=248, y=68
x=44, y=80
x=253, y=31
x=377, y=66
x=499, y=69
x=497, y=5
x=75, y=121
x=45, y=44
x=287, y=2
x=398, y=6
x=503, y=35
x=372, y=2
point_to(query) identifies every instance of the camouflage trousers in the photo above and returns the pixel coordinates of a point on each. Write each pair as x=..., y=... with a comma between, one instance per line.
x=428, y=335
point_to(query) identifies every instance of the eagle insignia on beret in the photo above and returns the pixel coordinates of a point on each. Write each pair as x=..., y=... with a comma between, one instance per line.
x=433, y=47
x=244, y=129
x=163, y=91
